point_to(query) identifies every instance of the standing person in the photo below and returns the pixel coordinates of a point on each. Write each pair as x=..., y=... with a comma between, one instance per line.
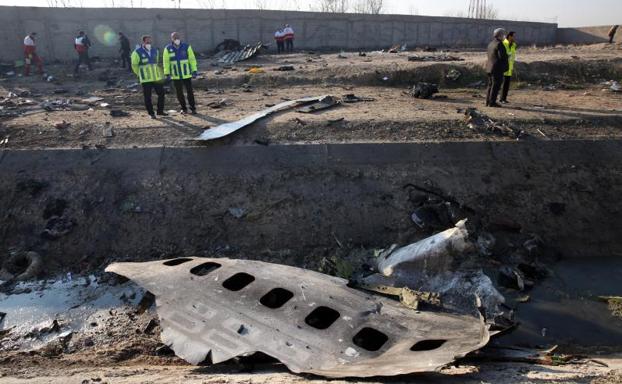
x=279, y=37
x=612, y=33
x=180, y=65
x=30, y=54
x=496, y=66
x=289, y=38
x=146, y=65
x=125, y=50
x=82, y=45
x=510, y=47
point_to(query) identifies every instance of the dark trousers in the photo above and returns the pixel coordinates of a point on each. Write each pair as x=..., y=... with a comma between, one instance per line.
x=159, y=89
x=125, y=58
x=289, y=45
x=494, y=85
x=506, y=87
x=179, y=87
x=610, y=39
x=36, y=60
x=280, y=46
x=83, y=58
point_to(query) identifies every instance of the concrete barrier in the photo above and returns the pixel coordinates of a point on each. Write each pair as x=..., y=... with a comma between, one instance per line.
x=204, y=29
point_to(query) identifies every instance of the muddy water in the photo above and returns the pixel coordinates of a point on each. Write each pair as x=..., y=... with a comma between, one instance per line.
x=564, y=308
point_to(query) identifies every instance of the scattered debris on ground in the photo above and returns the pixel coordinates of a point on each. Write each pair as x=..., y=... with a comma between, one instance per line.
x=218, y=103
x=438, y=58
x=478, y=121
x=486, y=265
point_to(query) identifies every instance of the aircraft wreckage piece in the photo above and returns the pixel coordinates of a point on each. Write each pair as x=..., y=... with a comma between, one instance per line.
x=434, y=252
x=225, y=129
x=212, y=310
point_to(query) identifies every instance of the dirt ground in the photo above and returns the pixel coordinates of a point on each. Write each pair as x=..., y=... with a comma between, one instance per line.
x=565, y=98
x=486, y=373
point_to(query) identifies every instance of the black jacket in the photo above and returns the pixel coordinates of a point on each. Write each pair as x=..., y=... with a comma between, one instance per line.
x=125, y=44
x=497, y=58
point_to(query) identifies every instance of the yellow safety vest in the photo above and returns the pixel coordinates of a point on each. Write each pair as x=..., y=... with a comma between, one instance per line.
x=146, y=65
x=179, y=62
x=511, y=50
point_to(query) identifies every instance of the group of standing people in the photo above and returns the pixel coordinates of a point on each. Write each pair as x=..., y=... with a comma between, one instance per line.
x=81, y=45
x=178, y=64
x=284, y=38
x=500, y=66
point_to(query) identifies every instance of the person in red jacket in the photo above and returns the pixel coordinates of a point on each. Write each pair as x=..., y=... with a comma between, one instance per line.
x=82, y=45
x=289, y=38
x=30, y=54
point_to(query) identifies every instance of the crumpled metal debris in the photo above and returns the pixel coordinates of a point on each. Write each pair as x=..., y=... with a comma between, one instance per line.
x=430, y=251
x=424, y=90
x=212, y=310
x=442, y=267
x=352, y=98
x=478, y=121
x=324, y=103
x=228, y=128
x=440, y=57
x=242, y=54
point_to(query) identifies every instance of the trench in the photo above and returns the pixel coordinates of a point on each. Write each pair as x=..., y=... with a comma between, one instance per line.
x=294, y=204
x=564, y=73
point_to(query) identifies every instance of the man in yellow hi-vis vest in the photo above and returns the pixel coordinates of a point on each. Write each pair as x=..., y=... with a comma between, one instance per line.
x=146, y=65
x=510, y=47
x=180, y=65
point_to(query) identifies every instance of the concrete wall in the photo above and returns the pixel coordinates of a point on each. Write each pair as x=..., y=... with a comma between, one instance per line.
x=206, y=28
x=586, y=35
